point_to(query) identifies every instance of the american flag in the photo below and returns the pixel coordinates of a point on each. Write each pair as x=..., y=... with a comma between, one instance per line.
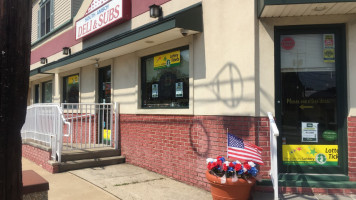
x=238, y=149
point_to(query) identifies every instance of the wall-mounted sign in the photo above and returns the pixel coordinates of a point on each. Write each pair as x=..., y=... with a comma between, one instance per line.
x=288, y=43
x=326, y=155
x=170, y=59
x=309, y=132
x=102, y=14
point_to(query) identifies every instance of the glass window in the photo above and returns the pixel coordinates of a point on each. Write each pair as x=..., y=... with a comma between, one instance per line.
x=71, y=89
x=105, y=84
x=45, y=18
x=47, y=92
x=165, y=79
x=37, y=93
x=308, y=86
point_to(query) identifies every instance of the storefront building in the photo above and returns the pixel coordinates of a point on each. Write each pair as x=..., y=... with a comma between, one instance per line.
x=202, y=67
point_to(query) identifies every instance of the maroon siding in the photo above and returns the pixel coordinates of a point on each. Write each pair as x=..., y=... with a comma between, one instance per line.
x=66, y=39
x=139, y=6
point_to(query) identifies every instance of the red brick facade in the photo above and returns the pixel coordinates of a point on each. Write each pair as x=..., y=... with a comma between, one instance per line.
x=177, y=146
x=351, y=139
x=38, y=156
x=84, y=128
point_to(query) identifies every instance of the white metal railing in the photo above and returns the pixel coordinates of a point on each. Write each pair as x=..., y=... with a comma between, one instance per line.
x=44, y=124
x=94, y=125
x=274, y=133
x=72, y=126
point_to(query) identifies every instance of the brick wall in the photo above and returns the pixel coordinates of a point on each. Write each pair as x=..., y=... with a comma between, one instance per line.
x=177, y=146
x=351, y=134
x=85, y=129
x=82, y=125
x=38, y=156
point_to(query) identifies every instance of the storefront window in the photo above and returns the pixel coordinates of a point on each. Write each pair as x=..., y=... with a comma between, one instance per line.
x=165, y=79
x=71, y=89
x=47, y=92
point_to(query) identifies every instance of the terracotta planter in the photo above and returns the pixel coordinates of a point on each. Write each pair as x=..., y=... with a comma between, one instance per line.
x=239, y=190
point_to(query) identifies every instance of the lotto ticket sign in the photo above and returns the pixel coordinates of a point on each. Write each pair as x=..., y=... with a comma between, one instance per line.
x=170, y=59
x=325, y=155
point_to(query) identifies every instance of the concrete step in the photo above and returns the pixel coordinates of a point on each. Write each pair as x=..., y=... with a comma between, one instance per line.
x=89, y=163
x=310, y=183
x=89, y=154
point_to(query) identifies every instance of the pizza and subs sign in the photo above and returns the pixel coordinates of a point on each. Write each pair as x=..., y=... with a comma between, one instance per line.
x=101, y=14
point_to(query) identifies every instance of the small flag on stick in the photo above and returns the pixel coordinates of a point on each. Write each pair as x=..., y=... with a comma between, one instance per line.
x=243, y=151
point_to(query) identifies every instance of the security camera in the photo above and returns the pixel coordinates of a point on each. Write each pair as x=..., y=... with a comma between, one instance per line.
x=184, y=32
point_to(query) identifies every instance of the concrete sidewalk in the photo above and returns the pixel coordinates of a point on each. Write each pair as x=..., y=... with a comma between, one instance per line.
x=122, y=181
x=68, y=186
x=128, y=182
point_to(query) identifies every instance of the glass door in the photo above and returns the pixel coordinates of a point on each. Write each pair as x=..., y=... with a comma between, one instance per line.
x=37, y=93
x=105, y=84
x=311, y=98
x=104, y=110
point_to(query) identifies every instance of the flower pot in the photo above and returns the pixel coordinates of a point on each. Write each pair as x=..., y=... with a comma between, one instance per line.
x=239, y=190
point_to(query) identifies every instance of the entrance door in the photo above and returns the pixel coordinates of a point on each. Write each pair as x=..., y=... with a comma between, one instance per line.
x=104, y=114
x=311, y=99
x=105, y=84
x=37, y=93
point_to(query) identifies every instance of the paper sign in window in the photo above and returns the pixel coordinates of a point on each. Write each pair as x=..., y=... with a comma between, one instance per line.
x=309, y=132
x=179, y=89
x=154, y=90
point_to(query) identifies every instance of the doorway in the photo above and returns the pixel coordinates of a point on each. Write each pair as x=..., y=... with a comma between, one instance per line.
x=104, y=115
x=311, y=99
x=105, y=84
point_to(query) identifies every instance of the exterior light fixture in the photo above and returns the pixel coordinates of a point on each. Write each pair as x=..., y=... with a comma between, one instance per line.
x=320, y=8
x=66, y=51
x=43, y=60
x=155, y=11
x=96, y=64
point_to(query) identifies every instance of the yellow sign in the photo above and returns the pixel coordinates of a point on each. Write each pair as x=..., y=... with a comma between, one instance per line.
x=325, y=155
x=329, y=55
x=73, y=79
x=170, y=59
x=107, y=134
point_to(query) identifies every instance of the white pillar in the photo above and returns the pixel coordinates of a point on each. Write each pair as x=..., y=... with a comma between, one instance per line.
x=56, y=89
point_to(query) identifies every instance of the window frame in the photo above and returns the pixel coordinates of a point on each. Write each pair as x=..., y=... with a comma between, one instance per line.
x=64, y=87
x=341, y=69
x=143, y=78
x=44, y=93
x=44, y=4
